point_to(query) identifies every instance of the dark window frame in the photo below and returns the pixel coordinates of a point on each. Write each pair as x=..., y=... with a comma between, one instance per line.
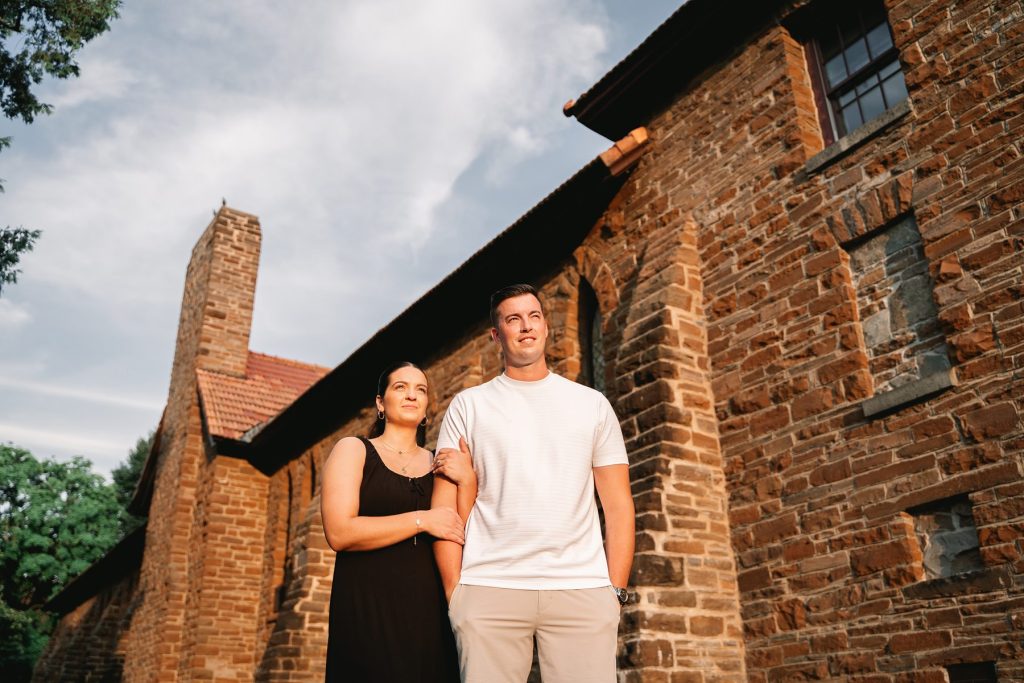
x=819, y=23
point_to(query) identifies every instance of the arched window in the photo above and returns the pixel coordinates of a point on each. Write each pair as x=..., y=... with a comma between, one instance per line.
x=312, y=476
x=590, y=338
x=284, y=537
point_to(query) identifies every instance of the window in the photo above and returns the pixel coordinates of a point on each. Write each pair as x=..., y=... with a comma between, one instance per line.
x=854, y=66
x=901, y=329
x=590, y=338
x=947, y=537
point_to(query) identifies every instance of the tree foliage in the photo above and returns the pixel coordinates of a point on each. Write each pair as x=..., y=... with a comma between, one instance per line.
x=23, y=635
x=39, y=38
x=126, y=475
x=13, y=243
x=56, y=519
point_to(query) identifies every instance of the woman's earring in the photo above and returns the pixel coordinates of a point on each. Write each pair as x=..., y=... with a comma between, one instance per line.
x=380, y=414
x=424, y=423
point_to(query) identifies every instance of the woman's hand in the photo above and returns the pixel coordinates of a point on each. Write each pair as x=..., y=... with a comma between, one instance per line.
x=443, y=523
x=456, y=465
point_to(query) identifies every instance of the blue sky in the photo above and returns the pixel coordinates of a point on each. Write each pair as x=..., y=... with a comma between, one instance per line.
x=380, y=142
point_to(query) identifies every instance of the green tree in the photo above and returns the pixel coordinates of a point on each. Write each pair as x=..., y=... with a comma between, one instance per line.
x=56, y=519
x=126, y=477
x=13, y=243
x=39, y=38
x=23, y=635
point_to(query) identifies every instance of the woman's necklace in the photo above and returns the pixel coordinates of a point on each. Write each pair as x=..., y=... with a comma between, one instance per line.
x=414, y=448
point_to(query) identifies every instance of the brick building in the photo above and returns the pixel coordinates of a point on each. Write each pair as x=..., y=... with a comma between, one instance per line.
x=797, y=274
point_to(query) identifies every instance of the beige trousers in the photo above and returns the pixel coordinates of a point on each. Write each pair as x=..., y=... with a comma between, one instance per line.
x=576, y=633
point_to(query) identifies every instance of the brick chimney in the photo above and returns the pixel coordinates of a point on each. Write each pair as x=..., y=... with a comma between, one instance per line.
x=216, y=308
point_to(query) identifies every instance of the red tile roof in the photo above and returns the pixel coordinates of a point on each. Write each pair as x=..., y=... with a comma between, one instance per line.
x=234, y=405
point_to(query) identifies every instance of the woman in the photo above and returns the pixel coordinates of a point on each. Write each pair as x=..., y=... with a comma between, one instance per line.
x=388, y=619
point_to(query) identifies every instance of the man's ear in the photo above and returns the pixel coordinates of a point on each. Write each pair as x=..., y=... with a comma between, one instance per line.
x=494, y=335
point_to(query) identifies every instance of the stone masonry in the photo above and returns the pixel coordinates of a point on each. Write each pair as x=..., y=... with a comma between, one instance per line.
x=816, y=355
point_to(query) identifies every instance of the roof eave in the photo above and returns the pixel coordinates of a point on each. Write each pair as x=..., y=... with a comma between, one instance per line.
x=118, y=562
x=697, y=35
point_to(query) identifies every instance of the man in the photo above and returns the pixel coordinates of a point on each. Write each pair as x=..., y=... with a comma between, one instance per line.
x=533, y=564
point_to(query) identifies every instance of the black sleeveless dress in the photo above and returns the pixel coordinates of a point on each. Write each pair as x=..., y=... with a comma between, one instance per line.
x=389, y=620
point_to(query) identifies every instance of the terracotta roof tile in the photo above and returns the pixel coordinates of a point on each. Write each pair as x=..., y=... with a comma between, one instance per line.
x=234, y=405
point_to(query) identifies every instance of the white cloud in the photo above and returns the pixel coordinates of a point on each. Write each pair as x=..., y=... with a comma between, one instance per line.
x=89, y=395
x=101, y=79
x=104, y=452
x=27, y=437
x=13, y=316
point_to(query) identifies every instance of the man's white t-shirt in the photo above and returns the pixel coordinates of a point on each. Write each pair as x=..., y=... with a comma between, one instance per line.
x=534, y=446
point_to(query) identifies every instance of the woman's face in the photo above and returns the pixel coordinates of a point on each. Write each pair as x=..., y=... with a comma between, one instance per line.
x=405, y=398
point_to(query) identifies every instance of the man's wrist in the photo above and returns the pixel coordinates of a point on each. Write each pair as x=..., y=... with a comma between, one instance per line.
x=621, y=593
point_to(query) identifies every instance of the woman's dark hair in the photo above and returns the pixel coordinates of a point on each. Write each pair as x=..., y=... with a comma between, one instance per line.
x=382, y=386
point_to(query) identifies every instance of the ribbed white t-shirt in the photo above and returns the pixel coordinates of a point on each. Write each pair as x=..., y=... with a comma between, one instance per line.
x=534, y=446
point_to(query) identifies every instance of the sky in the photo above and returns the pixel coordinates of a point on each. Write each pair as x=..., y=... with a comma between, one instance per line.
x=380, y=142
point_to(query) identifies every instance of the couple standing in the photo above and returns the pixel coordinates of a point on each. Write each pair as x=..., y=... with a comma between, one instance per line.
x=529, y=564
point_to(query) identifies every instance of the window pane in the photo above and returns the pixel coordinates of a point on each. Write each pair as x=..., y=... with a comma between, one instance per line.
x=895, y=89
x=847, y=97
x=871, y=104
x=869, y=83
x=879, y=40
x=857, y=55
x=889, y=69
x=835, y=70
x=851, y=117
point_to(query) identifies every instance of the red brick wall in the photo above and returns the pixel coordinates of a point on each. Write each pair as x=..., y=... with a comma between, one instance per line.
x=91, y=642
x=220, y=641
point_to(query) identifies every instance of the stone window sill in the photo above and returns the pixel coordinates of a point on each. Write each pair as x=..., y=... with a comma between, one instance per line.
x=856, y=138
x=971, y=583
x=909, y=393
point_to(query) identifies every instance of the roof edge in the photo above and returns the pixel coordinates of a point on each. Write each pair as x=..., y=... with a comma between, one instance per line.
x=697, y=35
x=118, y=562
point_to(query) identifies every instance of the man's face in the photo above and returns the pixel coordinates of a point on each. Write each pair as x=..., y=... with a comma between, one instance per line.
x=522, y=331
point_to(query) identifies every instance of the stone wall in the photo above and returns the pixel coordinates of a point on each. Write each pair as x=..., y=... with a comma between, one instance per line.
x=830, y=567
x=221, y=635
x=91, y=642
x=786, y=458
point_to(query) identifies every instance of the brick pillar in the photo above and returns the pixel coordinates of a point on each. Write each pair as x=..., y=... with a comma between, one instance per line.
x=686, y=625
x=297, y=647
x=222, y=608
x=213, y=333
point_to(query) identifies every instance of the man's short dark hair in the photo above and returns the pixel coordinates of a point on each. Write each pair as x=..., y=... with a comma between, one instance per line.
x=508, y=293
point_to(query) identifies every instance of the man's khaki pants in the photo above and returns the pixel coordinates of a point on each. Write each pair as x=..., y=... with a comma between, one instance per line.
x=576, y=633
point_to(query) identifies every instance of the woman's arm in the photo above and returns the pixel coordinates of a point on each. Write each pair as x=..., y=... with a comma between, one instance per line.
x=448, y=556
x=339, y=506
x=454, y=484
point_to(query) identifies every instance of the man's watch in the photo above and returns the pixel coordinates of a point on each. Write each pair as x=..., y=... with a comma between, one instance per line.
x=622, y=594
